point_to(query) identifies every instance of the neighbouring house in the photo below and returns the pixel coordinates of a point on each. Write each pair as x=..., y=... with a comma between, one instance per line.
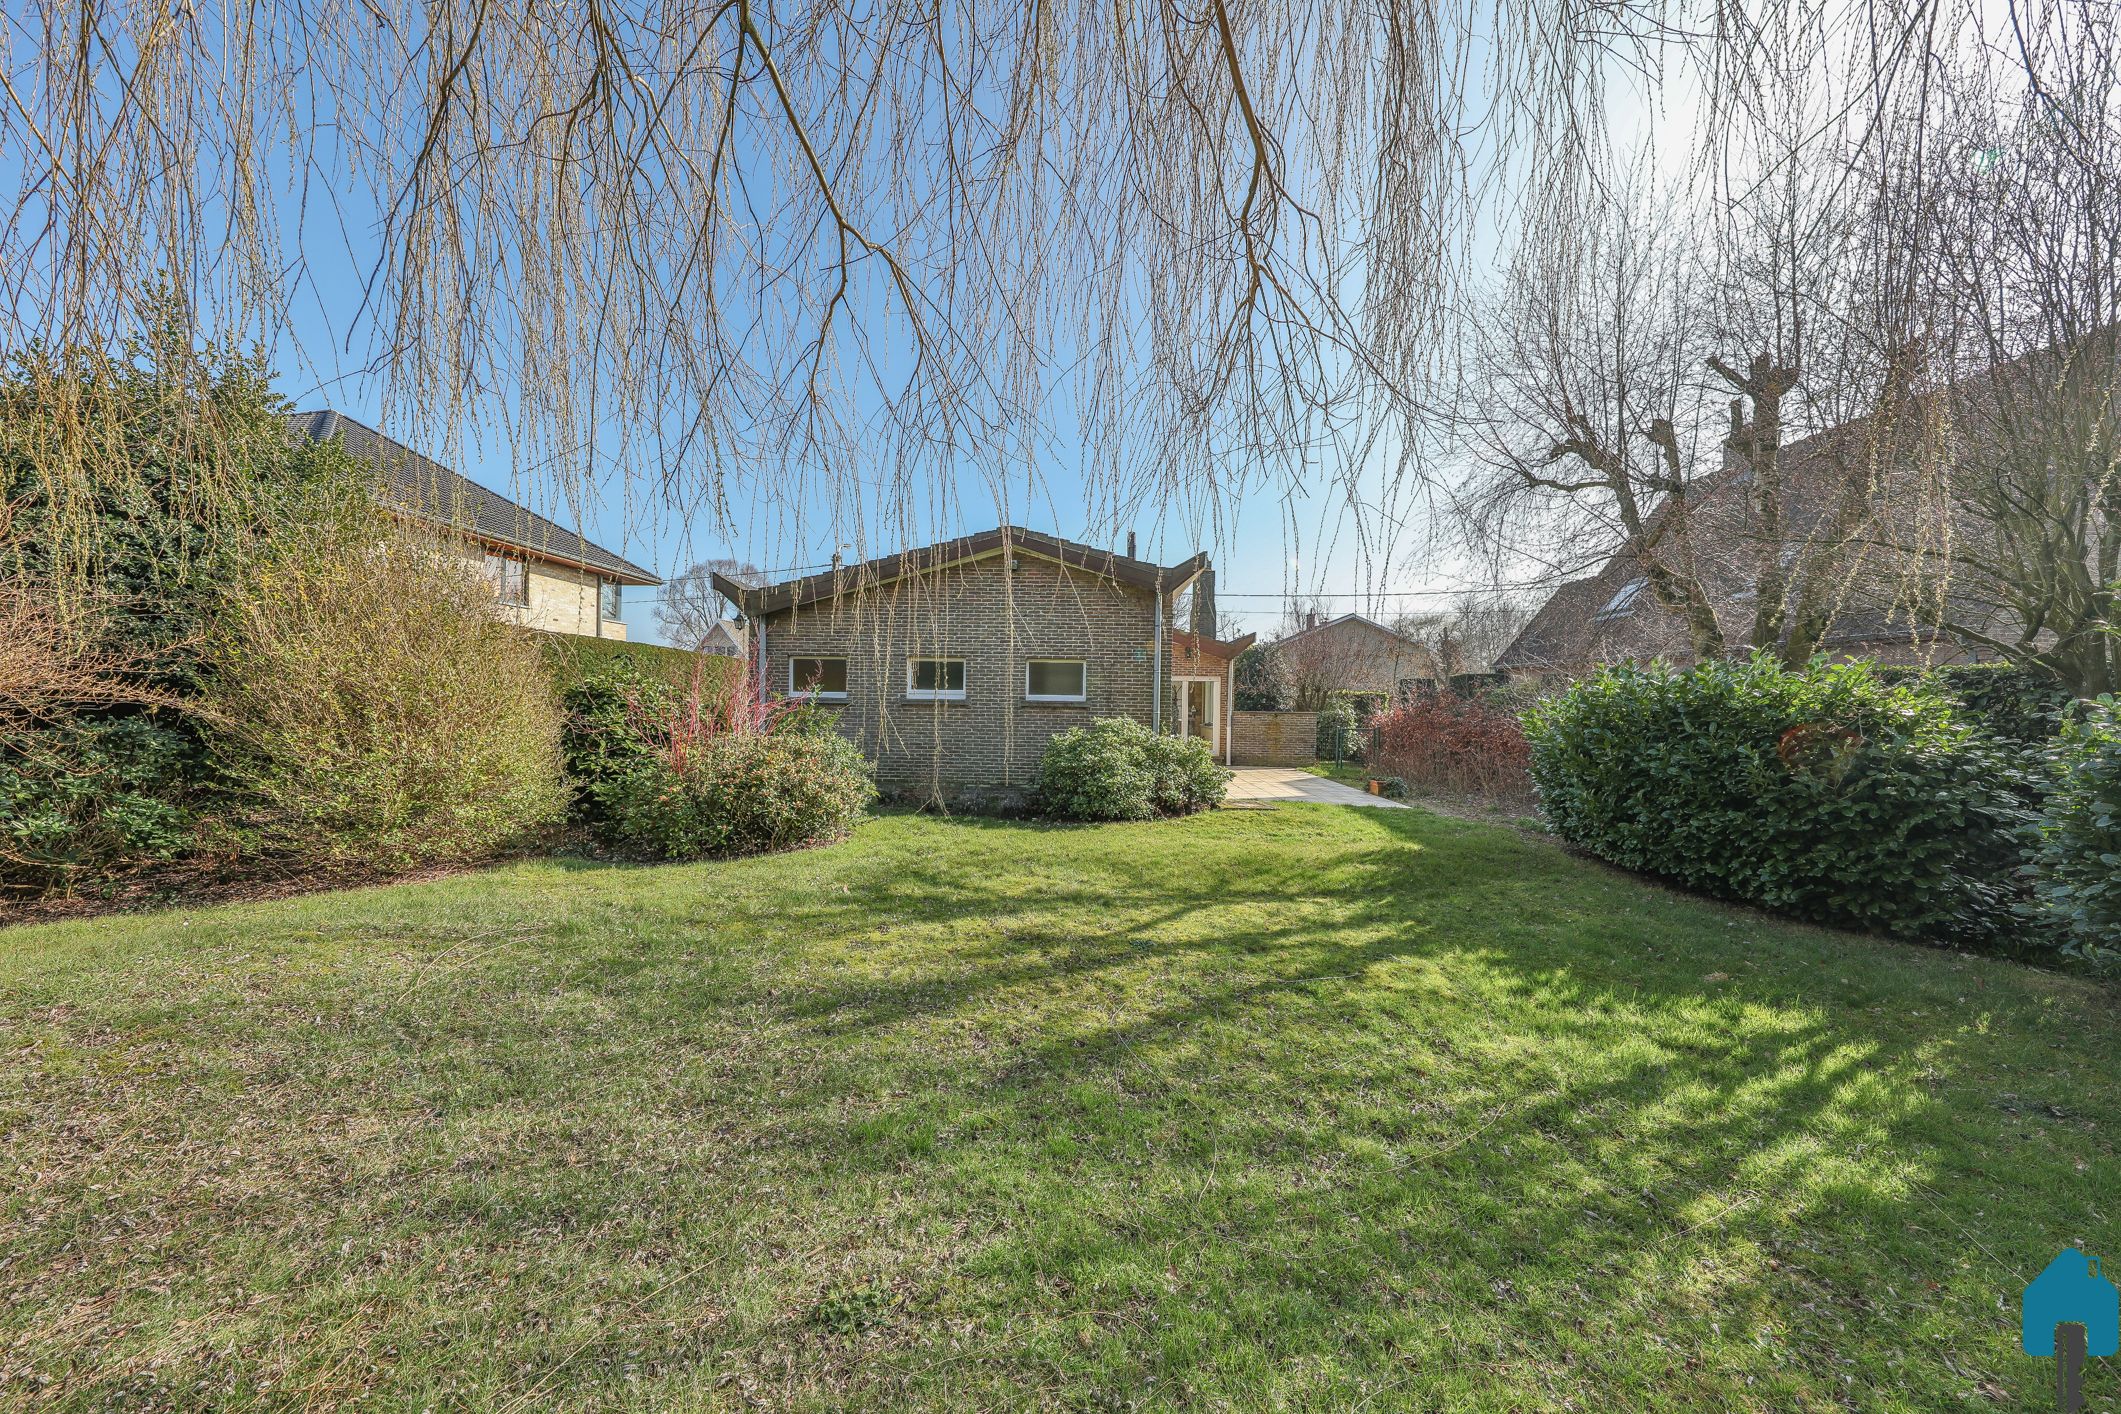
x=1611, y=616
x=723, y=639
x=1350, y=654
x=953, y=664
x=543, y=576
x=1927, y=578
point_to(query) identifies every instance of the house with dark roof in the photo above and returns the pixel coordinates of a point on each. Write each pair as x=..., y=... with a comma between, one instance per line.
x=1928, y=577
x=1612, y=616
x=953, y=664
x=1351, y=653
x=544, y=576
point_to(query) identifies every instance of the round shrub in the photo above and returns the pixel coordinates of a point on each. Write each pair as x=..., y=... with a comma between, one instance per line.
x=1826, y=793
x=370, y=710
x=2079, y=855
x=740, y=792
x=1184, y=775
x=1115, y=768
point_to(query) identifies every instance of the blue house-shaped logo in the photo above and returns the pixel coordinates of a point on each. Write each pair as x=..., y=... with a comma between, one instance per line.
x=2072, y=1288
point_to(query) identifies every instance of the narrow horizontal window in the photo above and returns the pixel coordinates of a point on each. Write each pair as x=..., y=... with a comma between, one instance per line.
x=935, y=679
x=1055, y=679
x=817, y=677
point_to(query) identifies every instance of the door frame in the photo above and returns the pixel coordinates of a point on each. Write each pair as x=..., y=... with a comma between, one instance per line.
x=1215, y=709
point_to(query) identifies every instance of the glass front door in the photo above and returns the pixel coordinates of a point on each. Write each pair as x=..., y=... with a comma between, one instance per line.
x=1197, y=711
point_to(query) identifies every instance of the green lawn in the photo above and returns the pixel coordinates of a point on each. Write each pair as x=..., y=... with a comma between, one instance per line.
x=1309, y=1108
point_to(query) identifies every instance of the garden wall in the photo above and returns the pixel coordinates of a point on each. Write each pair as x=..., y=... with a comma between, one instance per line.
x=1273, y=738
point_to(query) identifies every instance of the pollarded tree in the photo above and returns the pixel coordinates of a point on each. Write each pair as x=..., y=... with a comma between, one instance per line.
x=1655, y=389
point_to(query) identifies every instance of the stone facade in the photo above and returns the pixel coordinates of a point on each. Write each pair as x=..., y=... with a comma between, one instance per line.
x=557, y=598
x=994, y=612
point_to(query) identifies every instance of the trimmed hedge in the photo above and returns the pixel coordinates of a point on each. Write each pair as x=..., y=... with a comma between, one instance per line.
x=2016, y=704
x=1827, y=794
x=2079, y=852
x=1117, y=769
x=575, y=658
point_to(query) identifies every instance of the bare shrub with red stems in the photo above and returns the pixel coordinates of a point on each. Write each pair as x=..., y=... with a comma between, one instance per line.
x=1462, y=745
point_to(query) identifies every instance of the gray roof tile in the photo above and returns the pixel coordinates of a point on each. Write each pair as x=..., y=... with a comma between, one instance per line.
x=423, y=488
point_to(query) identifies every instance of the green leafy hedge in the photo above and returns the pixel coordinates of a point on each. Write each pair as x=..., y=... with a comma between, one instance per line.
x=741, y=792
x=2012, y=703
x=1117, y=769
x=2079, y=854
x=137, y=486
x=613, y=712
x=1828, y=794
x=92, y=798
x=575, y=659
x=1339, y=730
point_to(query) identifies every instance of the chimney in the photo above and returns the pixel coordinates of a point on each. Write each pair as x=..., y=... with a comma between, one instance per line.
x=1310, y=618
x=836, y=562
x=1130, y=544
x=1204, y=604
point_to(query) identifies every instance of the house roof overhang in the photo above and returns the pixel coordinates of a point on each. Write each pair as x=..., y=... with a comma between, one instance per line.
x=1200, y=643
x=418, y=489
x=874, y=574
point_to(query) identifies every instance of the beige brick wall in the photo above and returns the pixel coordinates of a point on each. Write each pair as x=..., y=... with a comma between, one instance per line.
x=561, y=599
x=1273, y=738
x=994, y=619
x=564, y=600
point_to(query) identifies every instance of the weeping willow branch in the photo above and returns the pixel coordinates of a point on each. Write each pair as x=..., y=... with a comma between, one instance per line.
x=830, y=256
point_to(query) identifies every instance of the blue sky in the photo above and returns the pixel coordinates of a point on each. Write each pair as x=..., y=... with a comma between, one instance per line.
x=1337, y=524
x=1292, y=528
x=1299, y=532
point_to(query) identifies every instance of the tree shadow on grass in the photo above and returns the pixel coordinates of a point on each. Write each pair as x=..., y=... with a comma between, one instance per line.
x=1311, y=1106
x=1306, y=1113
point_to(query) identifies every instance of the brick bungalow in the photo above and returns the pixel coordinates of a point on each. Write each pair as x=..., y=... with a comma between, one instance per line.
x=953, y=664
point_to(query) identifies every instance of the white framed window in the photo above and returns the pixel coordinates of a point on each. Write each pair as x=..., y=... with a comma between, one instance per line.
x=510, y=578
x=1056, y=680
x=935, y=679
x=821, y=678
x=610, y=595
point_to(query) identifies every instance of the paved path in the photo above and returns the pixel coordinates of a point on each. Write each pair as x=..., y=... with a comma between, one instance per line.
x=1289, y=783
